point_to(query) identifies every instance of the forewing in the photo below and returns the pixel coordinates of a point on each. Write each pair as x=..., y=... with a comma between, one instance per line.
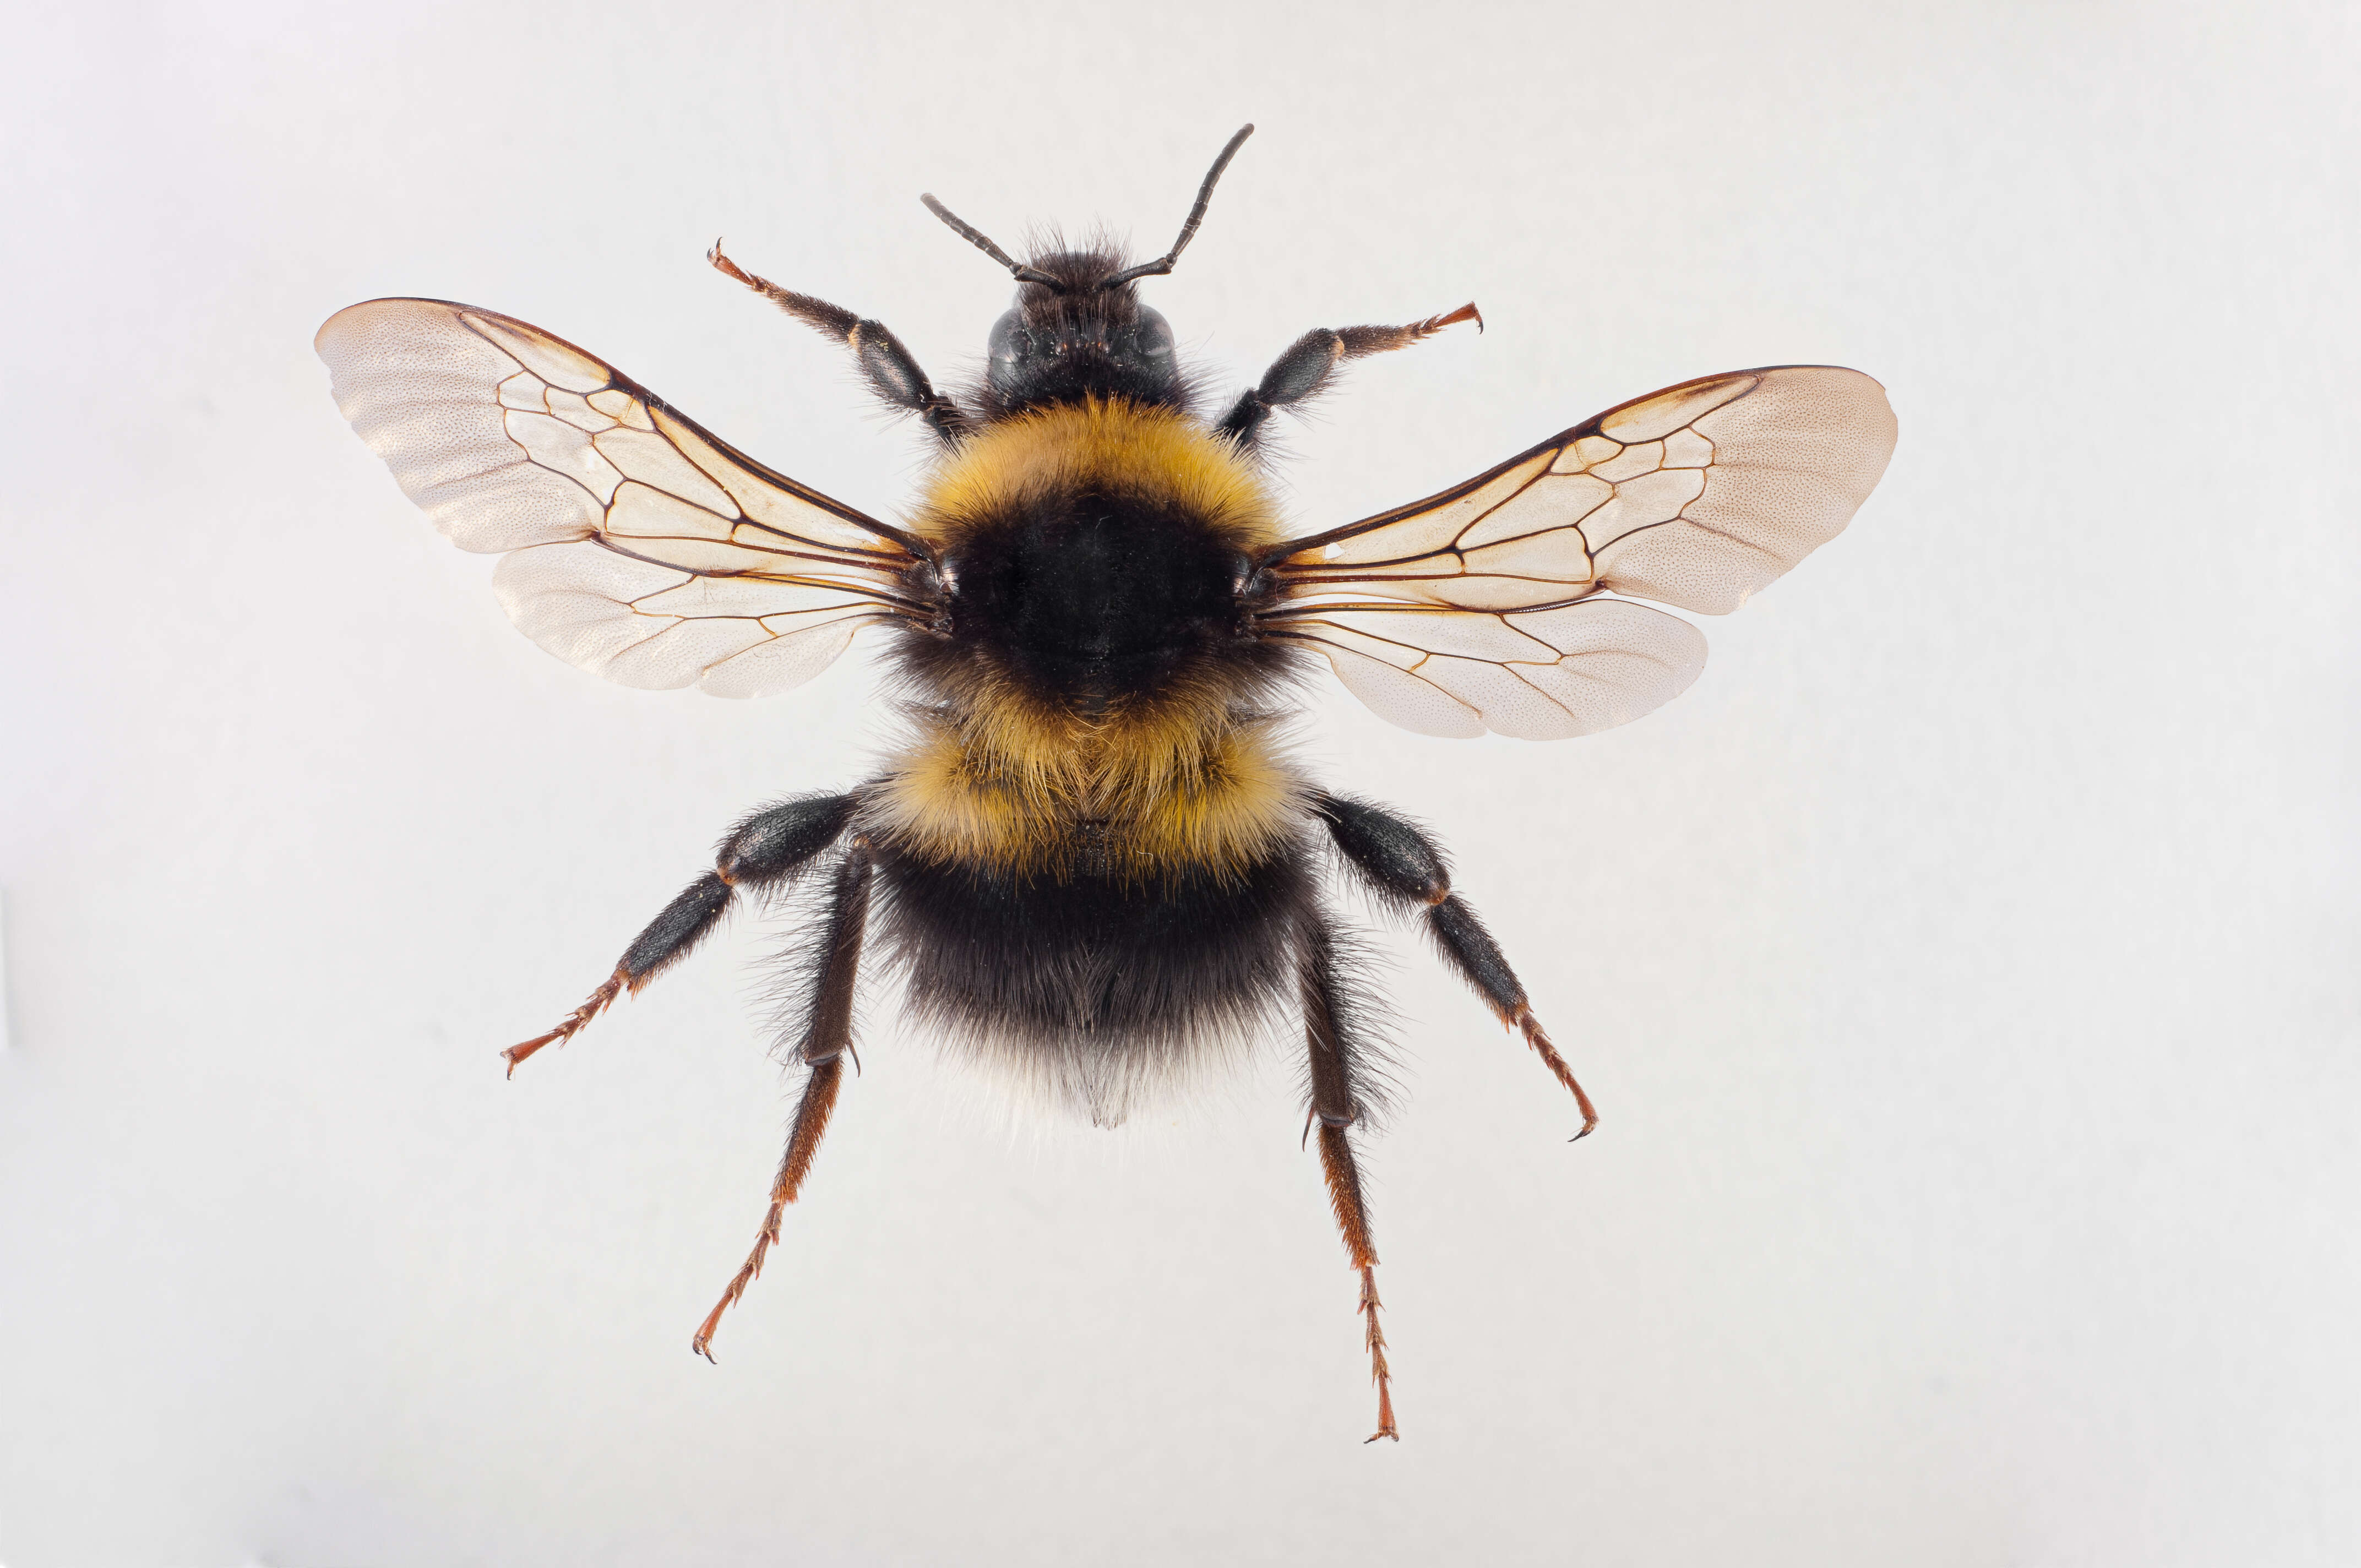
x=638, y=546
x=1696, y=497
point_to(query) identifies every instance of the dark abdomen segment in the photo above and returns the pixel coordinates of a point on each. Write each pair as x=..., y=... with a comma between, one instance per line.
x=1090, y=989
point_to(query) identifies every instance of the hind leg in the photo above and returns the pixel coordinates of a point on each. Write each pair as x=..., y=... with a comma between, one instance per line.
x=827, y=1037
x=1406, y=869
x=1335, y=1061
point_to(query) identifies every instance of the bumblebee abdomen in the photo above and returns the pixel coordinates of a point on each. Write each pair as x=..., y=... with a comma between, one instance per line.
x=1097, y=991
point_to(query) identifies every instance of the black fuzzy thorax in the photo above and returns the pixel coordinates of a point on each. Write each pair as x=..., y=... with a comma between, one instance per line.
x=1086, y=599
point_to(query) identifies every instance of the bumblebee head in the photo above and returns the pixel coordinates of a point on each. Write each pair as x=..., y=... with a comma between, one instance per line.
x=1081, y=313
x=1079, y=307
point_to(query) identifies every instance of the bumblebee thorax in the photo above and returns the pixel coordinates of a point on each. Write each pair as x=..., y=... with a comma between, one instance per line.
x=1094, y=554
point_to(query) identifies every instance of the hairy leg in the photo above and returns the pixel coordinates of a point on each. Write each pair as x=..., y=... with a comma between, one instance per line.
x=891, y=370
x=1309, y=364
x=1407, y=869
x=1335, y=1061
x=826, y=1039
x=766, y=850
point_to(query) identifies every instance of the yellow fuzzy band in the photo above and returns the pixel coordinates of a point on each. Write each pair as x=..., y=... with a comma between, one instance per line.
x=1132, y=805
x=1116, y=447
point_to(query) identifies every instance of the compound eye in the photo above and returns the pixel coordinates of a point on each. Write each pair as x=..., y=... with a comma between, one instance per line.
x=1151, y=337
x=1009, y=346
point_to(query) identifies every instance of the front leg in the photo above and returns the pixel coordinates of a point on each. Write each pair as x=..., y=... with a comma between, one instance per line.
x=764, y=851
x=891, y=370
x=1304, y=371
x=1406, y=869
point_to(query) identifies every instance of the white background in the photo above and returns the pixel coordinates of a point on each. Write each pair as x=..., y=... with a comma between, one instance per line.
x=1965, y=966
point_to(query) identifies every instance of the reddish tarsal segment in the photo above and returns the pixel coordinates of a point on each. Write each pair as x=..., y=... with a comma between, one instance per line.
x=1539, y=1039
x=827, y=1041
x=573, y=1023
x=1345, y=1200
x=812, y=1113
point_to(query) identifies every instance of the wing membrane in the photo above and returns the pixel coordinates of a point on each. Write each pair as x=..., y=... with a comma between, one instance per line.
x=1697, y=497
x=637, y=545
x=1542, y=675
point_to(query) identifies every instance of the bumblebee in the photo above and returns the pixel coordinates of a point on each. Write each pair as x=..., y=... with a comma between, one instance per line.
x=1088, y=859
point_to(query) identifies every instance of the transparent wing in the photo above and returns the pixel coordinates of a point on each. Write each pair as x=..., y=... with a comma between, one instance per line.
x=637, y=545
x=1482, y=607
x=1542, y=675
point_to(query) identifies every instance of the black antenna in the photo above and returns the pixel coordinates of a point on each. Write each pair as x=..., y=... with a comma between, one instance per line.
x=1156, y=269
x=1163, y=264
x=975, y=238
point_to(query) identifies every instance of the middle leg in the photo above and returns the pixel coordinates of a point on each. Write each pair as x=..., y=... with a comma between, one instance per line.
x=1336, y=1063
x=766, y=852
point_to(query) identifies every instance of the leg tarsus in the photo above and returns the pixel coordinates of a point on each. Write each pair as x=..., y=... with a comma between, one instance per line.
x=1364, y=340
x=1334, y=1062
x=802, y=1142
x=1376, y=1341
x=764, y=851
x=835, y=321
x=827, y=1041
x=1537, y=1037
x=1407, y=871
x=1352, y=1219
x=573, y=1023
x=1310, y=364
x=891, y=370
